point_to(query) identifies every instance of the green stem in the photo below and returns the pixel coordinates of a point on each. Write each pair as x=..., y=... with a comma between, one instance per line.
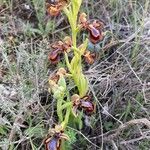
x=77, y=50
x=59, y=110
x=67, y=104
x=68, y=111
x=67, y=62
x=74, y=36
x=67, y=117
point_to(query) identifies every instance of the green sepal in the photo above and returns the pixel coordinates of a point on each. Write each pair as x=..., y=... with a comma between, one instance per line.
x=59, y=92
x=74, y=63
x=83, y=85
x=68, y=13
x=76, y=6
x=67, y=62
x=62, y=82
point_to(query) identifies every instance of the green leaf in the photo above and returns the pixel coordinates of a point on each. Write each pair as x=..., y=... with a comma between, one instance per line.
x=62, y=82
x=37, y=131
x=33, y=30
x=83, y=85
x=108, y=125
x=74, y=63
x=32, y=145
x=49, y=27
x=3, y=130
x=67, y=62
x=59, y=92
x=41, y=28
x=76, y=6
x=80, y=120
x=68, y=13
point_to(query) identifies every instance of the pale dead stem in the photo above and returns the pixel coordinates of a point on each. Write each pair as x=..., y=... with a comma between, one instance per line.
x=100, y=117
x=144, y=135
x=111, y=135
x=18, y=122
x=115, y=43
x=79, y=132
x=101, y=124
x=3, y=10
x=114, y=145
x=130, y=67
x=138, y=78
x=99, y=104
x=114, y=133
x=142, y=108
x=135, y=140
x=60, y=30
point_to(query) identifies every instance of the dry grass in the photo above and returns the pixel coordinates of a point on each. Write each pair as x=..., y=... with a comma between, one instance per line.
x=119, y=80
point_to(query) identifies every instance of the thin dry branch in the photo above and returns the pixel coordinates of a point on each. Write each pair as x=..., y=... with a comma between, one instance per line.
x=18, y=122
x=135, y=140
x=114, y=133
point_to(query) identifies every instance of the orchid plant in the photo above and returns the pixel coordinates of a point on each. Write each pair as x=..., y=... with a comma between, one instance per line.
x=68, y=103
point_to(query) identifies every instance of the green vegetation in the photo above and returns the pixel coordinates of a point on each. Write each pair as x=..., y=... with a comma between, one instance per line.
x=118, y=80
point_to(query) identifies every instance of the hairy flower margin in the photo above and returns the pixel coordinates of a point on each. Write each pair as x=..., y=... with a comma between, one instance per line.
x=66, y=104
x=59, y=48
x=56, y=135
x=84, y=103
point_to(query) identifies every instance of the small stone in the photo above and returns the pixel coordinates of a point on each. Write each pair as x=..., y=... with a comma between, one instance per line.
x=13, y=95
